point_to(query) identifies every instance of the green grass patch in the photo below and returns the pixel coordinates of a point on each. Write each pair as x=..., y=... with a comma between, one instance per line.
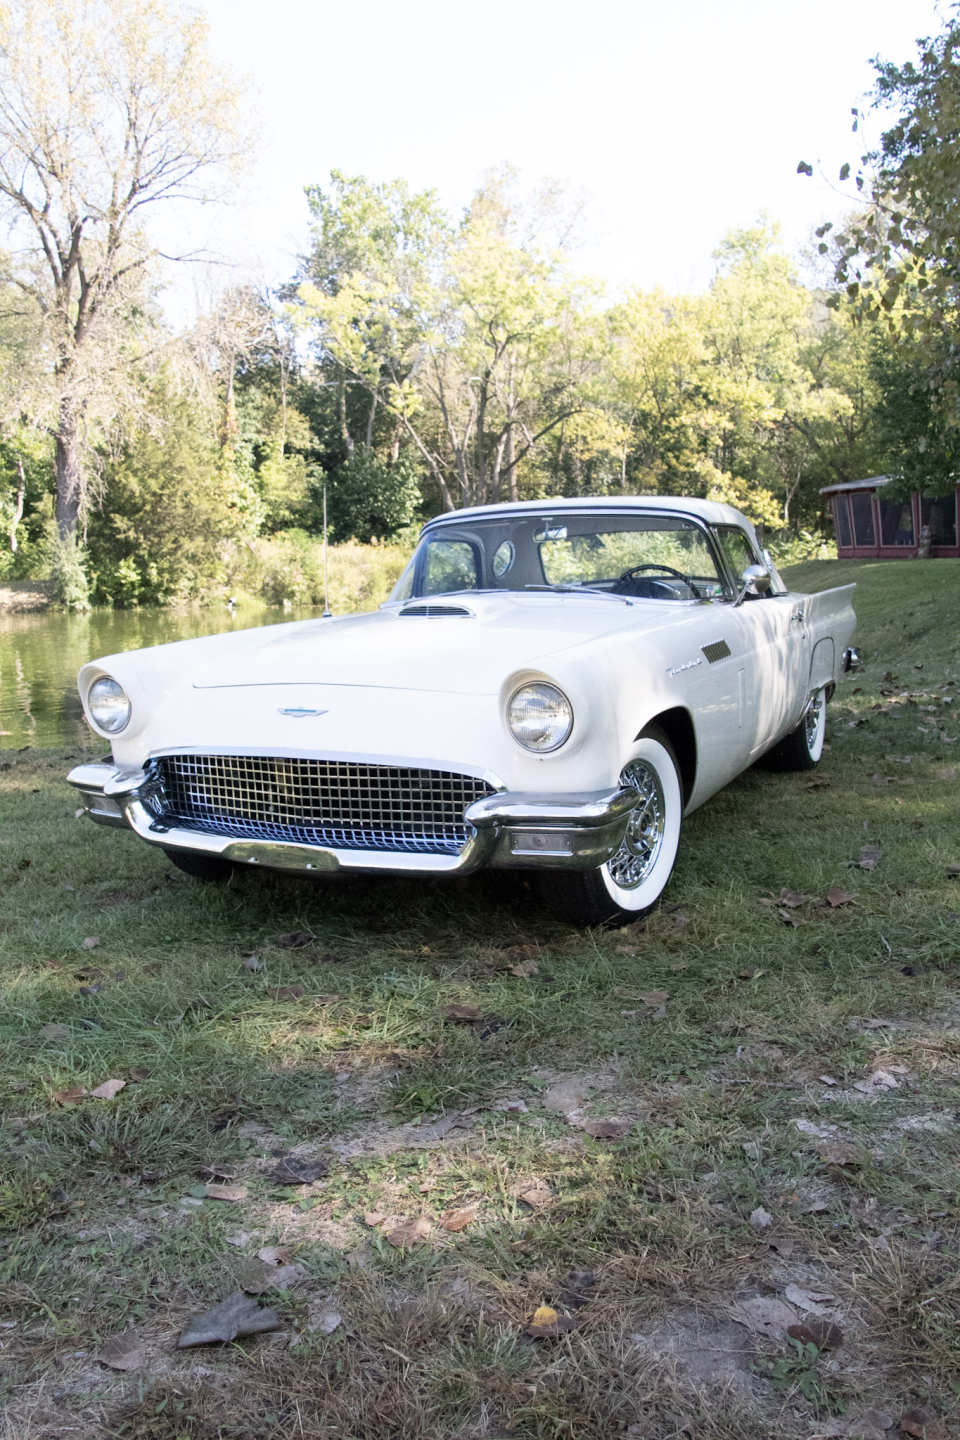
x=803, y=1066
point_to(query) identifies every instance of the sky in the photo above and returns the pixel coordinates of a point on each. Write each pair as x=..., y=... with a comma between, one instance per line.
x=672, y=121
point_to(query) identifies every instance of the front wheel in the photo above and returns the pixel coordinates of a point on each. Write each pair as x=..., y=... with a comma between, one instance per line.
x=802, y=748
x=632, y=881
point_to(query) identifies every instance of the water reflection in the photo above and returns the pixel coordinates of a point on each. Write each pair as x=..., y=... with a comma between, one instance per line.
x=41, y=654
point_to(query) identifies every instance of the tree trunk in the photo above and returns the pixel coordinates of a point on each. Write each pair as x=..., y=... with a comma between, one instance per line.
x=69, y=471
x=511, y=463
x=18, y=507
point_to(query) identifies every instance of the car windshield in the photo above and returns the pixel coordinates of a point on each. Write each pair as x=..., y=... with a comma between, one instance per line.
x=637, y=556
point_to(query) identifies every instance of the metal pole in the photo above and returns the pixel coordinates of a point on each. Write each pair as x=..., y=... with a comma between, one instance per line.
x=326, y=601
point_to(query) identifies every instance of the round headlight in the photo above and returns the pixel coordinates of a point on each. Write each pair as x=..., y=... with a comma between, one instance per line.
x=108, y=705
x=540, y=716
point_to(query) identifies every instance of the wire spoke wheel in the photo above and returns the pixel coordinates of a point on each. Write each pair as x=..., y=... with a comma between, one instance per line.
x=642, y=842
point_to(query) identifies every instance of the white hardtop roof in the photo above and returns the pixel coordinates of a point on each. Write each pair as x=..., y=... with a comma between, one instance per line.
x=710, y=511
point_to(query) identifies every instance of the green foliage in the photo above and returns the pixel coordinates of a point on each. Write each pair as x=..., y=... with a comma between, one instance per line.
x=916, y=413
x=71, y=589
x=368, y=498
x=173, y=501
x=287, y=569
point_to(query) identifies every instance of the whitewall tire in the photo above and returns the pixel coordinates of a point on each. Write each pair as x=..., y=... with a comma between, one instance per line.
x=631, y=883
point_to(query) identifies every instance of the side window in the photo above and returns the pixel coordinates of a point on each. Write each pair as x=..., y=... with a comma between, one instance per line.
x=736, y=547
x=450, y=565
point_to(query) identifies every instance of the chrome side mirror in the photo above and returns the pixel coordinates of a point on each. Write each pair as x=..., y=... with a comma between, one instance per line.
x=754, y=581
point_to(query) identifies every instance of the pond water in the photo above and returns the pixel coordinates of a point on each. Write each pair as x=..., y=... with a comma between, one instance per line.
x=41, y=653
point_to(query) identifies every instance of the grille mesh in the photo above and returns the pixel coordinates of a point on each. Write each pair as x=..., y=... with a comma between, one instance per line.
x=314, y=802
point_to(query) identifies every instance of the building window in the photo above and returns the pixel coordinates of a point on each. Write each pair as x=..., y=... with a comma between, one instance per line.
x=841, y=520
x=896, y=522
x=862, y=508
x=940, y=513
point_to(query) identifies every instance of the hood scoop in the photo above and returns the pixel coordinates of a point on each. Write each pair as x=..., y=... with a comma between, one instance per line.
x=435, y=612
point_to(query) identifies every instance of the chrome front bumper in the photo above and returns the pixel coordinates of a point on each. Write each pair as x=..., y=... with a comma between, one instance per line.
x=574, y=832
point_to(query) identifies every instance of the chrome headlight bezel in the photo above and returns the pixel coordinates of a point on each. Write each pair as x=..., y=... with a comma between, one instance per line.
x=117, y=707
x=539, y=700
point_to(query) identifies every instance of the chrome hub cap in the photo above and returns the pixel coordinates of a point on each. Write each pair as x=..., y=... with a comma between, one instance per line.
x=642, y=842
x=811, y=720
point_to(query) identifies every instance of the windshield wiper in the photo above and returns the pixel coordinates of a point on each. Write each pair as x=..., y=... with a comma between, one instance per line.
x=580, y=590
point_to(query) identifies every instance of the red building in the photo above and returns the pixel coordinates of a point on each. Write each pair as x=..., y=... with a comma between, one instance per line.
x=870, y=527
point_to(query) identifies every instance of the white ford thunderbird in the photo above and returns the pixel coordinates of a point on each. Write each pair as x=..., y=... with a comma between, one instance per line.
x=551, y=684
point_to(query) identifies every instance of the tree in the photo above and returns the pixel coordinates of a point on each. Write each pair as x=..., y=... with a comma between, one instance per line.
x=907, y=234
x=107, y=107
x=505, y=361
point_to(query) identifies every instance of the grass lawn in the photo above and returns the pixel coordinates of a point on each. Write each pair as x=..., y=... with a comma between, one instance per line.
x=683, y=1138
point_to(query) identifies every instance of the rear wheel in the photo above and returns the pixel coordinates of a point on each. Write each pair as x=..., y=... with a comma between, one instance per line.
x=199, y=866
x=632, y=881
x=803, y=747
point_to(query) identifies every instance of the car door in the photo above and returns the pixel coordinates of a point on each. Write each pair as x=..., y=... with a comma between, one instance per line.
x=771, y=650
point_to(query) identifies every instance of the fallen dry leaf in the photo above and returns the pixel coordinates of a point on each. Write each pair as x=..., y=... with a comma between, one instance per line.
x=226, y=1192
x=869, y=1425
x=122, y=1352
x=256, y=1276
x=455, y=1220
x=813, y=1302
x=837, y=896
x=923, y=1423
x=461, y=1013
x=237, y=1315
x=289, y=992
x=276, y=1254
x=90, y=942
x=822, y=1333
x=410, y=1233
x=793, y=899
x=525, y=969
x=291, y=940
x=70, y=1097
x=760, y=1219
x=880, y=1080
x=535, y=1193
x=292, y=1170
x=751, y=974
x=322, y=1320
x=654, y=998
x=109, y=1090
x=611, y=1129
x=374, y=1217
x=763, y=1315
x=546, y=1322
x=55, y=1032
x=869, y=858
x=838, y=1152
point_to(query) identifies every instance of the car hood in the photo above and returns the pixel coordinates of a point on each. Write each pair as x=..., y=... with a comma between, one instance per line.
x=461, y=644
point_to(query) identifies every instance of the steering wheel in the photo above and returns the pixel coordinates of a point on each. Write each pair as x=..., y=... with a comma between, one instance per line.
x=636, y=569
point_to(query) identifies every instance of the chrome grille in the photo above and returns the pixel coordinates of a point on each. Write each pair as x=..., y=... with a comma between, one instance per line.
x=314, y=802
